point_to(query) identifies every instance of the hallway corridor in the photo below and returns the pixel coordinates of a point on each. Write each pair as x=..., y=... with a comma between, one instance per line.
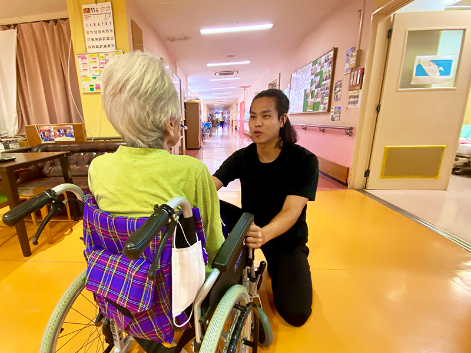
x=382, y=283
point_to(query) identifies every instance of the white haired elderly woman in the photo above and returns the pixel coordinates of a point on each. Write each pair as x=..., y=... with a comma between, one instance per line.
x=142, y=105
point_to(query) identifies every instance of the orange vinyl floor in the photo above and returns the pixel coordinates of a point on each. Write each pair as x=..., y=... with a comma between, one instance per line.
x=382, y=283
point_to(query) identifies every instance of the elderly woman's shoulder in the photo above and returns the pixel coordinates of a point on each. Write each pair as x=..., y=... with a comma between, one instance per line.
x=189, y=160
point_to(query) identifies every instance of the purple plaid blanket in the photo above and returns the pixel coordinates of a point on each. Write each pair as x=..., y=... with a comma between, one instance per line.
x=116, y=279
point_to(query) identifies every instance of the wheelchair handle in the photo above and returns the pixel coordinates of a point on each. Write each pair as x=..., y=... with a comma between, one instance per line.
x=138, y=241
x=37, y=202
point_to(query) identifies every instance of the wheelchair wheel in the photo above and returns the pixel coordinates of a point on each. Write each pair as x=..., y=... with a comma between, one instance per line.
x=76, y=324
x=265, y=337
x=227, y=321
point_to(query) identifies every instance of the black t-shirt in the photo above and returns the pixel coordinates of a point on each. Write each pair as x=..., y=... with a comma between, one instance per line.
x=265, y=186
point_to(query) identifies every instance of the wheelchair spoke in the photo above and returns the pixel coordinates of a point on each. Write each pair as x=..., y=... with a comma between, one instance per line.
x=88, y=300
x=80, y=329
x=78, y=312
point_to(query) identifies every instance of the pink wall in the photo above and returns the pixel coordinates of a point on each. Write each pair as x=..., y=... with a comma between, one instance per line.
x=339, y=29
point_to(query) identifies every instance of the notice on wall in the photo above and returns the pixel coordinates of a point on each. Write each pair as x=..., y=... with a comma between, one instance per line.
x=91, y=67
x=335, y=113
x=433, y=69
x=347, y=60
x=98, y=27
x=354, y=98
x=338, y=90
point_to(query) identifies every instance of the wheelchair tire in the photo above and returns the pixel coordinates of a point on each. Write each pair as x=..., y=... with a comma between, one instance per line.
x=265, y=337
x=83, y=335
x=235, y=295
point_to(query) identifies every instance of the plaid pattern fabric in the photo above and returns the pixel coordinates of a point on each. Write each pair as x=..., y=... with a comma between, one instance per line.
x=116, y=279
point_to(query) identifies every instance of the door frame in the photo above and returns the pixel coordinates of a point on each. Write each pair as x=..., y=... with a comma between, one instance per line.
x=375, y=63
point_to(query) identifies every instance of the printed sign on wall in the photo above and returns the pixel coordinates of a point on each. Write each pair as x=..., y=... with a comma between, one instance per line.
x=99, y=28
x=91, y=67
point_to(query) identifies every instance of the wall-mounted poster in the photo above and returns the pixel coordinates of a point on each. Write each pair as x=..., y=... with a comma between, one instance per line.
x=338, y=90
x=335, y=113
x=347, y=60
x=432, y=69
x=91, y=67
x=311, y=86
x=98, y=27
x=353, y=99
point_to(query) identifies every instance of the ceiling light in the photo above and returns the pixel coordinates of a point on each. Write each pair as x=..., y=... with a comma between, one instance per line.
x=223, y=88
x=236, y=29
x=224, y=79
x=230, y=63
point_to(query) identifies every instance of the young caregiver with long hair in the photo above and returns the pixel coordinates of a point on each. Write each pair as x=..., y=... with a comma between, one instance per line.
x=278, y=178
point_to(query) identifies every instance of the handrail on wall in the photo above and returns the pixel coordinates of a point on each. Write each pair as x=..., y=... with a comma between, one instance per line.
x=348, y=129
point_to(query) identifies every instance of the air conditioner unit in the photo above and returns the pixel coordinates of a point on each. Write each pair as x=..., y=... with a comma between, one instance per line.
x=226, y=73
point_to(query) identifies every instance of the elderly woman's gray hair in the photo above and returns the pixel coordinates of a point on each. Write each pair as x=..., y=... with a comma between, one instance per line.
x=139, y=97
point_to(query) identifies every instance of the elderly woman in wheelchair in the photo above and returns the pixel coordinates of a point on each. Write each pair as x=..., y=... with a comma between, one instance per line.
x=149, y=276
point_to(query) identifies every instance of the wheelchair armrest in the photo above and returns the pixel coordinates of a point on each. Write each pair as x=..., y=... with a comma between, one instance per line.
x=228, y=255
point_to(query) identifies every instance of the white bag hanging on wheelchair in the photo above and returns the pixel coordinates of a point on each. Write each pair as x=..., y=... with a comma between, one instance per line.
x=188, y=276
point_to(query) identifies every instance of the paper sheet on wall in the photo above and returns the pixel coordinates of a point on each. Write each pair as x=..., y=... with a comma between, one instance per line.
x=335, y=113
x=354, y=98
x=91, y=67
x=98, y=27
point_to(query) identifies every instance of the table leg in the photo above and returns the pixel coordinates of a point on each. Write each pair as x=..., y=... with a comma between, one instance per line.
x=65, y=166
x=11, y=191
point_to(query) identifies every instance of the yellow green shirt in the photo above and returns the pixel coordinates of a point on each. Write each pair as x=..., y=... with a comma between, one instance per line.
x=131, y=181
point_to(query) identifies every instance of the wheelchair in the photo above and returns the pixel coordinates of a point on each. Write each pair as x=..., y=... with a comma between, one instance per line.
x=227, y=312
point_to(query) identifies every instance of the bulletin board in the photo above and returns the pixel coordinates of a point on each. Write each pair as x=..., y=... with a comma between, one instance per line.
x=91, y=67
x=311, y=86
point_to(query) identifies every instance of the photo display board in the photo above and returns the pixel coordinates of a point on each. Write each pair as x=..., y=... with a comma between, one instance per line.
x=311, y=86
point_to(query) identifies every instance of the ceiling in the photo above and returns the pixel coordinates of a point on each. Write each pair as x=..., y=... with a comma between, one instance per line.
x=25, y=11
x=179, y=19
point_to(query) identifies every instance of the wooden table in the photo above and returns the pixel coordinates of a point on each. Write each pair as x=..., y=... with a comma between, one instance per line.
x=24, y=160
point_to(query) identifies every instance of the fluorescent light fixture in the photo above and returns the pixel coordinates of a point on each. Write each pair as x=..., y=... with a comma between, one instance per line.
x=236, y=29
x=230, y=63
x=223, y=88
x=224, y=79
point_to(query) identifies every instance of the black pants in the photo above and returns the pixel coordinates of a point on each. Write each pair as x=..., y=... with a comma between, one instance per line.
x=288, y=266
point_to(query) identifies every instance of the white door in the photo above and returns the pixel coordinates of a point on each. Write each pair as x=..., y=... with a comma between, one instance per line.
x=425, y=91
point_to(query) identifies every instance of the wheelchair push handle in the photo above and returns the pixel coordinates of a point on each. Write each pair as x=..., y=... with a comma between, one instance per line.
x=161, y=217
x=12, y=217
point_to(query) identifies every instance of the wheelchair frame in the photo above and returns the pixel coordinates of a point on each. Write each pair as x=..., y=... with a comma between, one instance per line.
x=229, y=291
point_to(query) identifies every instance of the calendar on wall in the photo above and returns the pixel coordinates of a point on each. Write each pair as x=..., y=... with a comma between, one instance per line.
x=98, y=27
x=91, y=67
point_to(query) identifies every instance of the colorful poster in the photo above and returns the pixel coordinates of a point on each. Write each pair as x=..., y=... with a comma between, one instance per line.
x=347, y=60
x=64, y=133
x=46, y=133
x=98, y=27
x=91, y=67
x=433, y=69
x=338, y=90
x=335, y=113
